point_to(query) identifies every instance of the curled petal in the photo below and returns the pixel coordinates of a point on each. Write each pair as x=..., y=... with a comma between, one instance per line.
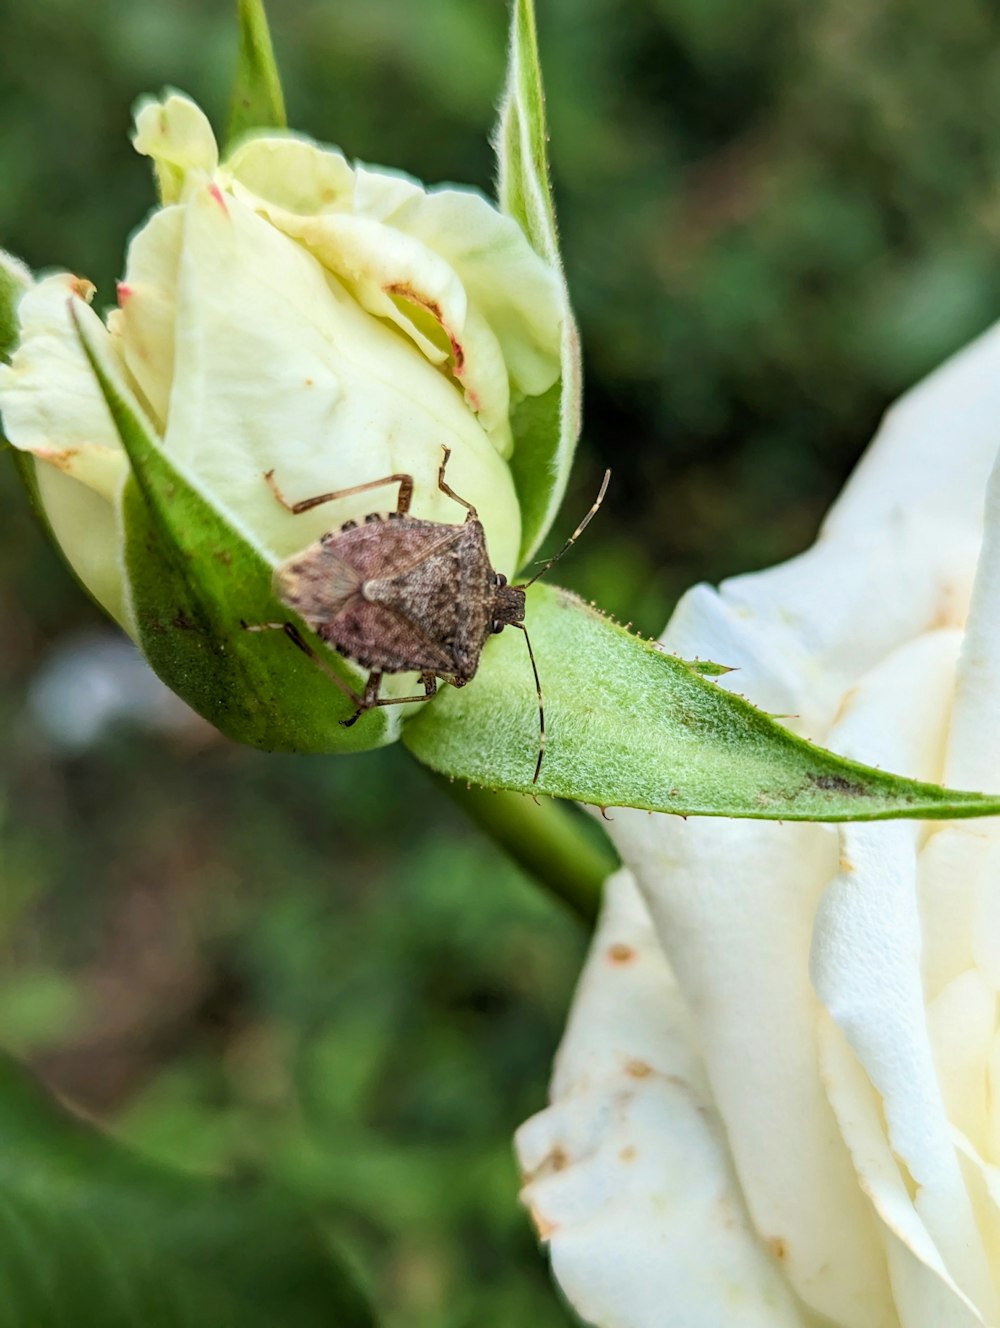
x=50, y=400
x=177, y=134
x=144, y=324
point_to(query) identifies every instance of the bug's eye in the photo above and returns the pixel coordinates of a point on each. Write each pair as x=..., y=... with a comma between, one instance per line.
x=497, y=626
x=499, y=580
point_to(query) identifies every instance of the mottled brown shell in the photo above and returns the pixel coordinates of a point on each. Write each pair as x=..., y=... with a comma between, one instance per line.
x=397, y=594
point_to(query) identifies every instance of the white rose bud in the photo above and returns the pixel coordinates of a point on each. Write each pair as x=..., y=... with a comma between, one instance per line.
x=281, y=311
x=777, y=1103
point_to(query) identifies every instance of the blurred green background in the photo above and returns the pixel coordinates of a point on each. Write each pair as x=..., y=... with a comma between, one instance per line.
x=774, y=219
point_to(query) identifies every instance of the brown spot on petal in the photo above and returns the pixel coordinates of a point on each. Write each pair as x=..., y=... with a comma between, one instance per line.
x=950, y=610
x=61, y=458
x=846, y=865
x=620, y=953
x=725, y=1212
x=543, y=1226
x=638, y=1069
x=627, y=1154
x=83, y=288
x=556, y=1159
x=402, y=290
x=778, y=1247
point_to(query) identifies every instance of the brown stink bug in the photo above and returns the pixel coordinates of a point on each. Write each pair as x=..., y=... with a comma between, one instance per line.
x=397, y=594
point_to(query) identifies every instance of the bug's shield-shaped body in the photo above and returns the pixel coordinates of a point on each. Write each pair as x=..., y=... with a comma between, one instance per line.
x=397, y=594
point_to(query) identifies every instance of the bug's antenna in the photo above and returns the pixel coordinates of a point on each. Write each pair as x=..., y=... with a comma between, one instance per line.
x=541, y=708
x=575, y=535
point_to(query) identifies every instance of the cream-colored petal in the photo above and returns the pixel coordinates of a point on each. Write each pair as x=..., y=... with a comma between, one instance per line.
x=984, y=926
x=515, y=290
x=626, y=1173
x=86, y=527
x=961, y=1025
x=49, y=398
x=955, y=858
x=867, y=945
x=982, y=1179
x=177, y=135
x=292, y=173
x=335, y=399
x=923, y=1292
x=397, y=278
x=144, y=325
x=993, y=1093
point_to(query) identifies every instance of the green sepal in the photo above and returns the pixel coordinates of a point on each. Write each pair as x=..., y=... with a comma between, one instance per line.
x=193, y=580
x=14, y=281
x=95, y=1236
x=257, y=100
x=545, y=428
x=629, y=725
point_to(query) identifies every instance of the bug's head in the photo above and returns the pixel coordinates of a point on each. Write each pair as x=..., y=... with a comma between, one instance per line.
x=507, y=609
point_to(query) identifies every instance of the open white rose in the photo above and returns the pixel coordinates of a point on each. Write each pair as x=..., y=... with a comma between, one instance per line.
x=778, y=1098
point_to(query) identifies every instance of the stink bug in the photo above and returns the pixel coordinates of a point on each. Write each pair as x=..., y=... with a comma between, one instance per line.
x=400, y=595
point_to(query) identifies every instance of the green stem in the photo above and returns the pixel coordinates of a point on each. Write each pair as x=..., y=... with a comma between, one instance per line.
x=549, y=840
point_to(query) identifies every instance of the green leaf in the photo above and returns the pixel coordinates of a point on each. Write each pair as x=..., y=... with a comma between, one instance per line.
x=257, y=101
x=94, y=1236
x=193, y=579
x=629, y=725
x=545, y=428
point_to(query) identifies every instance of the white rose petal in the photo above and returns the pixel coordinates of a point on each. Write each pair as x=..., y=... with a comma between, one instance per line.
x=627, y=1174
x=178, y=136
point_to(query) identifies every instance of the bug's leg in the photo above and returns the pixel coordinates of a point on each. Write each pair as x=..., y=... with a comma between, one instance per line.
x=430, y=688
x=446, y=488
x=367, y=701
x=405, y=483
x=296, y=638
x=371, y=698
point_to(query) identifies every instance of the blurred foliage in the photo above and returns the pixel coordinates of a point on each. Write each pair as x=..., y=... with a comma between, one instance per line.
x=774, y=219
x=95, y=1236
